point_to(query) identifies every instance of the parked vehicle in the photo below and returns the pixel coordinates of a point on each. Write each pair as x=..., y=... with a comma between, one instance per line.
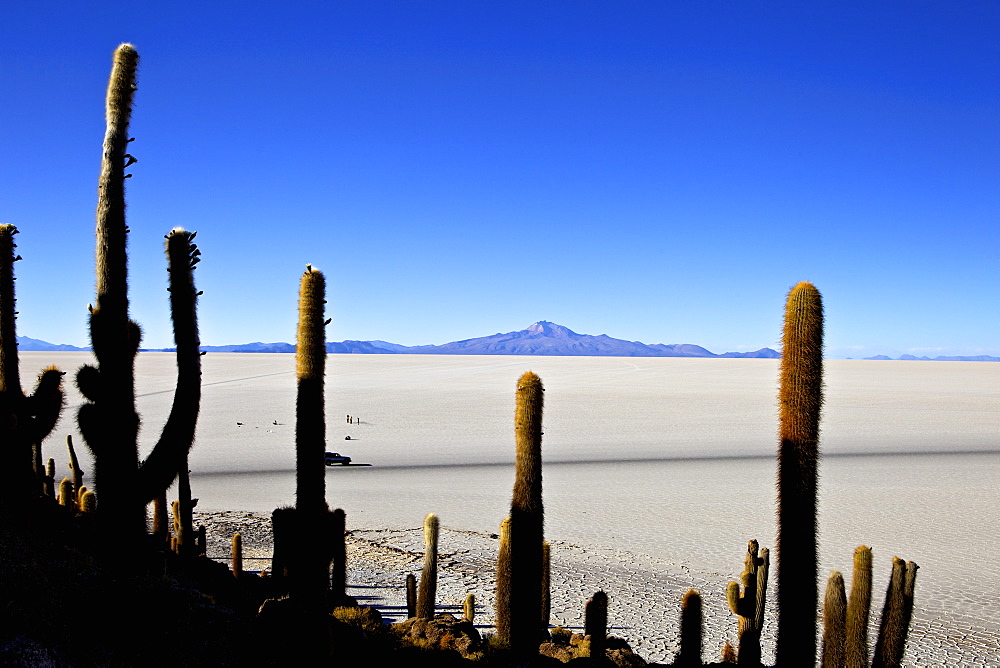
x=337, y=458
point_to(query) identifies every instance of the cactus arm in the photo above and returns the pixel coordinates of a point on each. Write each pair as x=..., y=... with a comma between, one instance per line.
x=45, y=404
x=691, y=630
x=169, y=455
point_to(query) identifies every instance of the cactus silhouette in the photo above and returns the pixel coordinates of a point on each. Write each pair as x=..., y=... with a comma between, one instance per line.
x=834, y=621
x=427, y=592
x=411, y=595
x=595, y=623
x=24, y=420
x=526, y=520
x=858, y=610
x=109, y=422
x=748, y=604
x=338, y=574
x=800, y=399
x=896, y=613
x=691, y=631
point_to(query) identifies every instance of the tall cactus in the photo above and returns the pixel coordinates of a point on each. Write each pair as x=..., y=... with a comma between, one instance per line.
x=109, y=422
x=527, y=520
x=310, y=411
x=502, y=603
x=800, y=399
x=24, y=421
x=427, y=592
x=304, y=535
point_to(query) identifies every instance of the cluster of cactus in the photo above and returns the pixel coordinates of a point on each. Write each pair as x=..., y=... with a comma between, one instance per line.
x=309, y=539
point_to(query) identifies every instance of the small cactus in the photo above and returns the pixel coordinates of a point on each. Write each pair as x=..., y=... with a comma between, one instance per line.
x=338, y=574
x=469, y=608
x=502, y=603
x=834, y=622
x=411, y=595
x=858, y=610
x=748, y=604
x=691, y=631
x=896, y=614
x=237, y=556
x=595, y=623
x=67, y=497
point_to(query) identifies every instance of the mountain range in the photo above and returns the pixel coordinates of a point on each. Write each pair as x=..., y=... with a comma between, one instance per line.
x=541, y=338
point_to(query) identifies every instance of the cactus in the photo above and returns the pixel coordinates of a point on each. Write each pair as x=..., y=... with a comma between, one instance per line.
x=469, y=608
x=501, y=605
x=748, y=604
x=310, y=411
x=896, y=613
x=109, y=422
x=527, y=520
x=66, y=495
x=691, y=631
x=427, y=593
x=858, y=608
x=237, y=556
x=88, y=502
x=800, y=399
x=595, y=623
x=49, y=481
x=161, y=526
x=338, y=574
x=74, y=464
x=411, y=595
x=834, y=622
x=546, y=587
x=24, y=420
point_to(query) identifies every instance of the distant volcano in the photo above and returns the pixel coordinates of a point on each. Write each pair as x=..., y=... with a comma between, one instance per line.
x=548, y=338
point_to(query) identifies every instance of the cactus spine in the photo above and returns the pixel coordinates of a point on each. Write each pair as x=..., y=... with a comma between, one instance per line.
x=427, y=592
x=834, y=622
x=691, y=630
x=527, y=520
x=800, y=399
x=24, y=421
x=749, y=604
x=858, y=608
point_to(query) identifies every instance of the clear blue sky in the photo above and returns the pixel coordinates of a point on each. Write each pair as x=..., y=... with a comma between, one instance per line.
x=656, y=171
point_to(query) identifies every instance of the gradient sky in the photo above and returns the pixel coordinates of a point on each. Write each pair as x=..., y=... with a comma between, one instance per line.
x=654, y=171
